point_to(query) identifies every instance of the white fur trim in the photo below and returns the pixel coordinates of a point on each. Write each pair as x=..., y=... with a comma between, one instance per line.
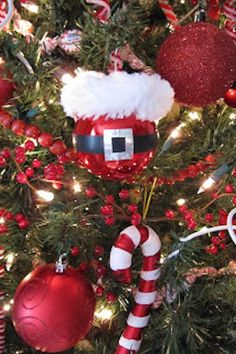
x=117, y=95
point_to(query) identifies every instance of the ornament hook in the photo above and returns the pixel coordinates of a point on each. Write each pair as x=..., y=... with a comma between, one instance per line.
x=61, y=264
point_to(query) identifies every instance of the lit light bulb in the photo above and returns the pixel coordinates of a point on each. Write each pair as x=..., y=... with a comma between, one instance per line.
x=76, y=187
x=232, y=116
x=9, y=260
x=2, y=220
x=194, y=115
x=177, y=131
x=6, y=307
x=45, y=195
x=104, y=314
x=180, y=201
x=11, y=301
x=206, y=185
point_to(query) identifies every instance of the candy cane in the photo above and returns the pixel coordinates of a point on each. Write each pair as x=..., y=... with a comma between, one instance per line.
x=5, y=16
x=120, y=262
x=169, y=13
x=104, y=10
x=229, y=9
x=116, y=63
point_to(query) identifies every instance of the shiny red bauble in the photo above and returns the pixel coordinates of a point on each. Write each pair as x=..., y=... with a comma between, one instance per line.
x=115, y=148
x=230, y=97
x=199, y=61
x=6, y=85
x=53, y=311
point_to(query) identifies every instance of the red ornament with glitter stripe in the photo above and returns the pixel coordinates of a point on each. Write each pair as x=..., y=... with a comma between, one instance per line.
x=120, y=262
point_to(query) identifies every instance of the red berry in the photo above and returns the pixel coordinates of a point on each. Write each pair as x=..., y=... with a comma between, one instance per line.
x=29, y=145
x=6, y=153
x=107, y=210
x=215, y=240
x=58, y=147
x=135, y=219
x=222, y=235
x=98, y=251
x=234, y=200
x=210, y=158
x=21, y=178
x=90, y=192
x=212, y=249
x=132, y=208
x=229, y=188
x=183, y=209
x=124, y=194
x=20, y=159
x=223, y=246
x=5, y=119
x=9, y=215
x=71, y=154
x=3, y=228
x=110, y=297
x=2, y=212
x=109, y=220
x=109, y=199
x=19, y=151
x=99, y=291
x=18, y=127
x=23, y=224
x=222, y=212
x=3, y=161
x=57, y=185
x=169, y=214
x=45, y=139
x=36, y=163
x=192, y=171
x=75, y=251
x=29, y=172
x=101, y=271
x=192, y=224
x=32, y=131
x=83, y=267
x=19, y=217
x=209, y=217
x=188, y=215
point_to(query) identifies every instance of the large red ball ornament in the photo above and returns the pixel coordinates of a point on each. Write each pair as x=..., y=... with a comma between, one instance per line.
x=53, y=311
x=6, y=85
x=115, y=148
x=199, y=61
x=230, y=96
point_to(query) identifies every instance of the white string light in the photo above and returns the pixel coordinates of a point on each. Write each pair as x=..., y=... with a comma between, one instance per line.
x=104, y=314
x=180, y=201
x=176, y=133
x=206, y=185
x=46, y=196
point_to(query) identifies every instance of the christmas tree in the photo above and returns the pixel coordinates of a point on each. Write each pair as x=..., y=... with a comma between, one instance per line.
x=117, y=132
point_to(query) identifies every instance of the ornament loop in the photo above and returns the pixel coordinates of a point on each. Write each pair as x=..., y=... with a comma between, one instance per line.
x=61, y=264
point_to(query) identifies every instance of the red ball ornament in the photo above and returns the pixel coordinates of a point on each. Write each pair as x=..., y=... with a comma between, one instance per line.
x=103, y=146
x=6, y=85
x=230, y=96
x=47, y=317
x=199, y=61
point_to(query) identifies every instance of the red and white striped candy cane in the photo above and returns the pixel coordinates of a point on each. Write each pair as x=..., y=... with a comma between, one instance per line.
x=120, y=261
x=103, y=11
x=169, y=13
x=6, y=12
x=229, y=9
x=116, y=63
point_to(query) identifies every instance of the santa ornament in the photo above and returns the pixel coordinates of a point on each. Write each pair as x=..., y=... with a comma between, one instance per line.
x=115, y=134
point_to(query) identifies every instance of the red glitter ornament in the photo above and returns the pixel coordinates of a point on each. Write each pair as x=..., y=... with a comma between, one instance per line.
x=47, y=317
x=92, y=157
x=199, y=61
x=6, y=85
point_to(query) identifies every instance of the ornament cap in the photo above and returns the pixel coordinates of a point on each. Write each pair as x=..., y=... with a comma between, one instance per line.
x=62, y=263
